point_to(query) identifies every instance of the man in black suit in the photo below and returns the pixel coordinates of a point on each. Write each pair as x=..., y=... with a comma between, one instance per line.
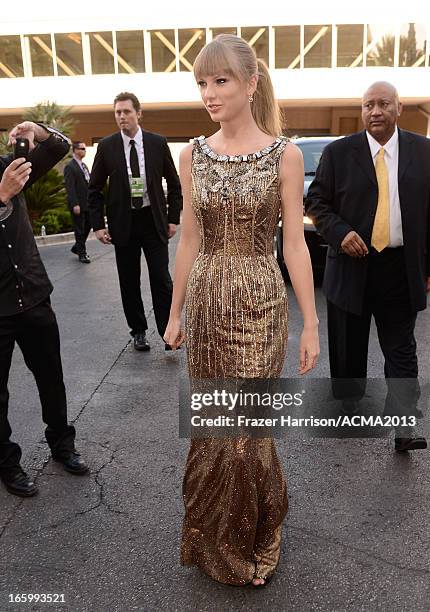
x=139, y=218
x=26, y=316
x=76, y=178
x=370, y=201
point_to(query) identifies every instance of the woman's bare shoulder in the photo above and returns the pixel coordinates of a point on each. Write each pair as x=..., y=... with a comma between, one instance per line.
x=292, y=159
x=187, y=151
x=185, y=155
x=292, y=152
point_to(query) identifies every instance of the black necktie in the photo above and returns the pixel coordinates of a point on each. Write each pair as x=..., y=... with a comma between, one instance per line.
x=135, y=171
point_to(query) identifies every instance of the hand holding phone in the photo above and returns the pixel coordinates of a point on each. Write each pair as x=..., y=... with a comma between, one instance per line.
x=12, y=182
x=21, y=148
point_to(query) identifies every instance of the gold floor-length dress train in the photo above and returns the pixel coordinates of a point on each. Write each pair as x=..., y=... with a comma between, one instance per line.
x=236, y=324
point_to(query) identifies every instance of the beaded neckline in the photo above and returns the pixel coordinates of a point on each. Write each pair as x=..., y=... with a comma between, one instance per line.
x=237, y=158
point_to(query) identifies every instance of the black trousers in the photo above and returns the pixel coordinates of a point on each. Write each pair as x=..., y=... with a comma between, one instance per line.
x=387, y=299
x=144, y=237
x=82, y=227
x=36, y=333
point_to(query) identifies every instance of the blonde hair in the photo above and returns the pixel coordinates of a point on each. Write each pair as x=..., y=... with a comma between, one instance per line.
x=229, y=54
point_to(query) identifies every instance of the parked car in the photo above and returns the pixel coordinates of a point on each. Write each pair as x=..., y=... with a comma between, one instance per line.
x=312, y=148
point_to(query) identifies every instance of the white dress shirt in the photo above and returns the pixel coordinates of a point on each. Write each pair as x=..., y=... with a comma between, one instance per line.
x=391, y=157
x=138, y=139
x=83, y=167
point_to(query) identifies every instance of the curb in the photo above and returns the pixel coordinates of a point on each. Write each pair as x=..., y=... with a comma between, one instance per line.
x=59, y=239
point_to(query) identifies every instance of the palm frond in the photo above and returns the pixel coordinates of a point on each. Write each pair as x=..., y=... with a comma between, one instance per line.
x=51, y=113
x=48, y=192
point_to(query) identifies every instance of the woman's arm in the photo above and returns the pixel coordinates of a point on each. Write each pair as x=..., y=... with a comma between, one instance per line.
x=186, y=253
x=296, y=254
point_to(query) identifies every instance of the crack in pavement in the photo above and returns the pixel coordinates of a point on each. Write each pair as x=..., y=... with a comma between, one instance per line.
x=20, y=502
x=40, y=472
x=102, y=499
x=102, y=380
x=412, y=570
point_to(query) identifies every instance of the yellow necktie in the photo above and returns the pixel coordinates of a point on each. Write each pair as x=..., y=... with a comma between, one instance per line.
x=381, y=225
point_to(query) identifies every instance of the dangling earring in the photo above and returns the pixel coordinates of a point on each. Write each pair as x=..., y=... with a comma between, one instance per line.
x=251, y=98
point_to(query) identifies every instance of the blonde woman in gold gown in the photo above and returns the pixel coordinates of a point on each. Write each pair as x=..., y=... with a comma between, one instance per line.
x=235, y=184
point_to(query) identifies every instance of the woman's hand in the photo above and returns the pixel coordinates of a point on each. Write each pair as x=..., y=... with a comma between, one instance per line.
x=309, y=349
x=174, y=335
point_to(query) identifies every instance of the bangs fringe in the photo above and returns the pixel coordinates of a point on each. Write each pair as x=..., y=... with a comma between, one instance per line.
x=215, y=58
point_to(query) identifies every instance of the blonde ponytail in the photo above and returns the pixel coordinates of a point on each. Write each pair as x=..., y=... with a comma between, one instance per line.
x=265, y=109
x=231, y=53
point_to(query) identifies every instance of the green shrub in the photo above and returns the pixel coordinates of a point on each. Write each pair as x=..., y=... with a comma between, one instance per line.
x=51, y=222
x=47, y=193
x=56, y=220
x=64, y=219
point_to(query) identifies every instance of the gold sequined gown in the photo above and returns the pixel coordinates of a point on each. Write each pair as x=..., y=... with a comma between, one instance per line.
x=236, y=326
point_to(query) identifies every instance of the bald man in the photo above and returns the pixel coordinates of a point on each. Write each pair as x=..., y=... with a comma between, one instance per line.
x=370, y=200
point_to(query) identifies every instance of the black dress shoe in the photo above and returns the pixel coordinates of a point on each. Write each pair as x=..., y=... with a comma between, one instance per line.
x=83, y=258
x=73, y=463
x=140, y=342
x=74, y=249
x=402, y=445
x=20, y=484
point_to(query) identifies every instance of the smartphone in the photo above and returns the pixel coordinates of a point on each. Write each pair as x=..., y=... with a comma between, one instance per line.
x=22, y=148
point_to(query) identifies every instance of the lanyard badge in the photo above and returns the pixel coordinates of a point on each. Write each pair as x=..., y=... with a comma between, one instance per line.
x=137, y=186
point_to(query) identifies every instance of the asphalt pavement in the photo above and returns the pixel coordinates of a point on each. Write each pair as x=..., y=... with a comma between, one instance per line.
x=357, y=535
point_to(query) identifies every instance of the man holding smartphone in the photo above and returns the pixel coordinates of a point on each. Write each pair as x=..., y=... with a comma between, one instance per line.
x=26, y=316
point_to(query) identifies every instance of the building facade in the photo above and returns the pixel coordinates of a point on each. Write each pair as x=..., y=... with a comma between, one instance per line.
x=320, y=66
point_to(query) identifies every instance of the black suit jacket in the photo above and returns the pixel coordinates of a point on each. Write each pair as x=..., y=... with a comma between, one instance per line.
x=110, y=162
x=76, y=185
x=344, y=197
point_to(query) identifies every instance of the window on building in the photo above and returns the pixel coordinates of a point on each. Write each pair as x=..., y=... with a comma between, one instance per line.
x=131, y=57
x=216, y=31
x=349, y=45
x=413, y=40
x=163, y=50
x=10, y=57
x=68, y=48
x=190, y=43
x=380, y=45
x=102, y=53
x=42, y=63
x=287, y=46
x=317, y=46
x=259, y=39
